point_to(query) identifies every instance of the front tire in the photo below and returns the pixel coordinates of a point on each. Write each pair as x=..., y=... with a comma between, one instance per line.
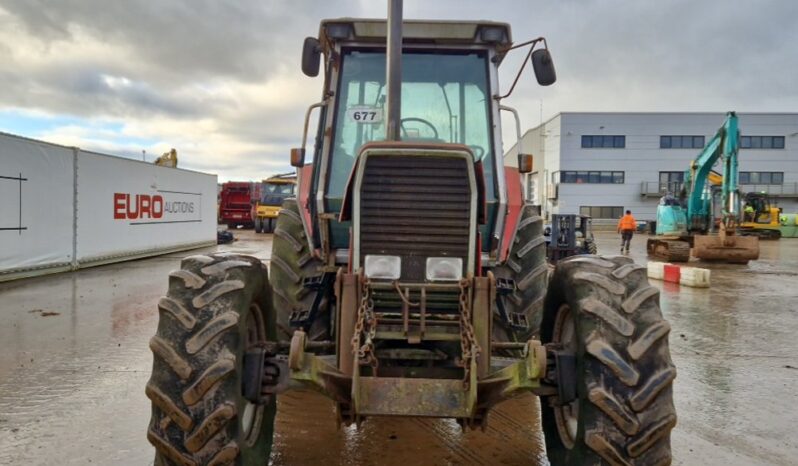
x=258, y=225
x=217, y=306
x=605, y=312
x=526, y=266
x=292, y=262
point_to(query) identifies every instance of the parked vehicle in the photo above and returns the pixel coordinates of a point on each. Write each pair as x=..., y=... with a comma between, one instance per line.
x=568, y=235
x=686, y=220
x=273, y=191
x=762, y=218
x=235, y=205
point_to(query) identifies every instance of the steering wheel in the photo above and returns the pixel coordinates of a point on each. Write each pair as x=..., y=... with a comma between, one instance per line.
x=418, y=120
x=478, y=152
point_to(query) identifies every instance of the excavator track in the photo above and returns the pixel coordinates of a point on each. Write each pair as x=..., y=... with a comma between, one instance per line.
x=669, y=250
x=761, y=233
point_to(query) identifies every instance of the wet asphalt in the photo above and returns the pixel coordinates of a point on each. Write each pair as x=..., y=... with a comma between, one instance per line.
x=74, y=361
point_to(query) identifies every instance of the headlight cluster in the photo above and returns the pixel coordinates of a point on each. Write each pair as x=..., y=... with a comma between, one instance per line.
x=383, y=267
x=437, y=268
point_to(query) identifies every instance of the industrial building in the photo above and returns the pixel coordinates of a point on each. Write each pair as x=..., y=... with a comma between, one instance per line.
x=602, y=163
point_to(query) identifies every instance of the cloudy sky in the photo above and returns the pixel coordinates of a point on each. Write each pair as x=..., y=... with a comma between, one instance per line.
x=220, y=80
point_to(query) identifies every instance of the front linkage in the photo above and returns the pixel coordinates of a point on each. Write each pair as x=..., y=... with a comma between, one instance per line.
x=276, y=367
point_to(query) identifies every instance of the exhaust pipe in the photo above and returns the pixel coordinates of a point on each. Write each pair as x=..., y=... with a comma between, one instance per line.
x=393, y=71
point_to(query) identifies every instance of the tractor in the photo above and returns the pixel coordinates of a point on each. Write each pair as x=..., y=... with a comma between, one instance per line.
x=407, y=278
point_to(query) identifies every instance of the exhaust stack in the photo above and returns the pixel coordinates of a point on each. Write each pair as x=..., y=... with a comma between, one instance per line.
x=393, y=71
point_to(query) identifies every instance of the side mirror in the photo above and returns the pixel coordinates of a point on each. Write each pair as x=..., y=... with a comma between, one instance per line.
x=298, y=158
x=525, y=163
x=544, y=67
x=311, y=56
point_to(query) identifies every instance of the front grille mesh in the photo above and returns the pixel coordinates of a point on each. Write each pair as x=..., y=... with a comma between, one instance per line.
x=415, y=207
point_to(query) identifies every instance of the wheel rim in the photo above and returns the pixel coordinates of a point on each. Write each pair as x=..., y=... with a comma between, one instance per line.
x=566, y=416
x=252, y=414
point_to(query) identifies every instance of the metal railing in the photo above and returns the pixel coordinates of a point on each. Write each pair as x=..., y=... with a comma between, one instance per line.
x=784, y=190
x=658, y=189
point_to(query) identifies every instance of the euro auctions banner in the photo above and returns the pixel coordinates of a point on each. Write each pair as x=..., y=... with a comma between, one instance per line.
x=126, y=207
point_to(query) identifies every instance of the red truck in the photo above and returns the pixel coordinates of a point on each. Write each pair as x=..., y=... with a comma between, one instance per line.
x=235, y=204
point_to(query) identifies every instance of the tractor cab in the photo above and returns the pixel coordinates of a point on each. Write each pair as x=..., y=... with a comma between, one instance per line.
x=449, y=118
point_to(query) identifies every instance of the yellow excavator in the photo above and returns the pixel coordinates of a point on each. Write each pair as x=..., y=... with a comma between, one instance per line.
x=760, y=217
x=168, y=159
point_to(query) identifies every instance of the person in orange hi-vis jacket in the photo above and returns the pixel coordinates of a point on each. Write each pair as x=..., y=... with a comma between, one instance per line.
x=626, y=227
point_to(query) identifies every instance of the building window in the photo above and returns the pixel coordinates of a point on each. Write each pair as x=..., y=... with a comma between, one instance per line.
x=601, y=211
x=593, y=177
x=681, y=142
x=603, y=142
x=670, y=177
x=762, y=142
x=761, y=177
x=671, y=181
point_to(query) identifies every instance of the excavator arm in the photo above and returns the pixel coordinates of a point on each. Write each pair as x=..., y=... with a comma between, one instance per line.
x=724, y=146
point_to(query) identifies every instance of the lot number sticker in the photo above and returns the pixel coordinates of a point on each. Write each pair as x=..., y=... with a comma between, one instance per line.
x=365, y=115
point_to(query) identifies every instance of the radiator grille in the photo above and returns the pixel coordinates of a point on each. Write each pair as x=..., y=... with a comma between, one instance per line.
x=415, y=207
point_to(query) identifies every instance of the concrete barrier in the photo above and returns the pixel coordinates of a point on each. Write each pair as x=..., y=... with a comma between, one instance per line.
x=671, y=273
x=656, y=270
x=695, y=277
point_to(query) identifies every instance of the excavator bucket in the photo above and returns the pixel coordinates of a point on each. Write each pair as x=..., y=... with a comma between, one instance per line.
x=735, y=249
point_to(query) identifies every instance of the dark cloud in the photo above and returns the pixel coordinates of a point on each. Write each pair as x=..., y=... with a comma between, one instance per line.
x=158, y=58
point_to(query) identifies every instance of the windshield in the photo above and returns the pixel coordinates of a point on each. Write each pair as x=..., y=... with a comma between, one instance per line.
x=445, y=99
x=269, y=191
x=285, y=188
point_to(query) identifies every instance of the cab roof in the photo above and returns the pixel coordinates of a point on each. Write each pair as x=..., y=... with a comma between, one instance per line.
x=418, y=31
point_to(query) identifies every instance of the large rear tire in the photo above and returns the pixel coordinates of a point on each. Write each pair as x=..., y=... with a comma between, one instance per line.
x=292, y=262
x=217, y=306
x=526, y=266
x=605, y=311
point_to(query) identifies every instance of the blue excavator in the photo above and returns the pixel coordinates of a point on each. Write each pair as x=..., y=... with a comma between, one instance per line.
x=686, y=220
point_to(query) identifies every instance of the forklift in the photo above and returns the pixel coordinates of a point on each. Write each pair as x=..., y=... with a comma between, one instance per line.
x=569, y=235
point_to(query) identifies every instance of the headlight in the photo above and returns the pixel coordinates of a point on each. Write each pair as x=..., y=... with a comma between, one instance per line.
x=579, y=243
x=444, y=268
x=383, y=267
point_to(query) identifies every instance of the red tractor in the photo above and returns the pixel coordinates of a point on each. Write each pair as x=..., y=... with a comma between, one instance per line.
x=407, y=278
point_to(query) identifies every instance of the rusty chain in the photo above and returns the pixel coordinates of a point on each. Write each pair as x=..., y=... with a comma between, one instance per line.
x=468, y=344
x=366, y=321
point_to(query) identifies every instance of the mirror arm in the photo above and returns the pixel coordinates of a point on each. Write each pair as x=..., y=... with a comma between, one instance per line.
x=533, y=42
x=307, y=120
x=517, y=125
